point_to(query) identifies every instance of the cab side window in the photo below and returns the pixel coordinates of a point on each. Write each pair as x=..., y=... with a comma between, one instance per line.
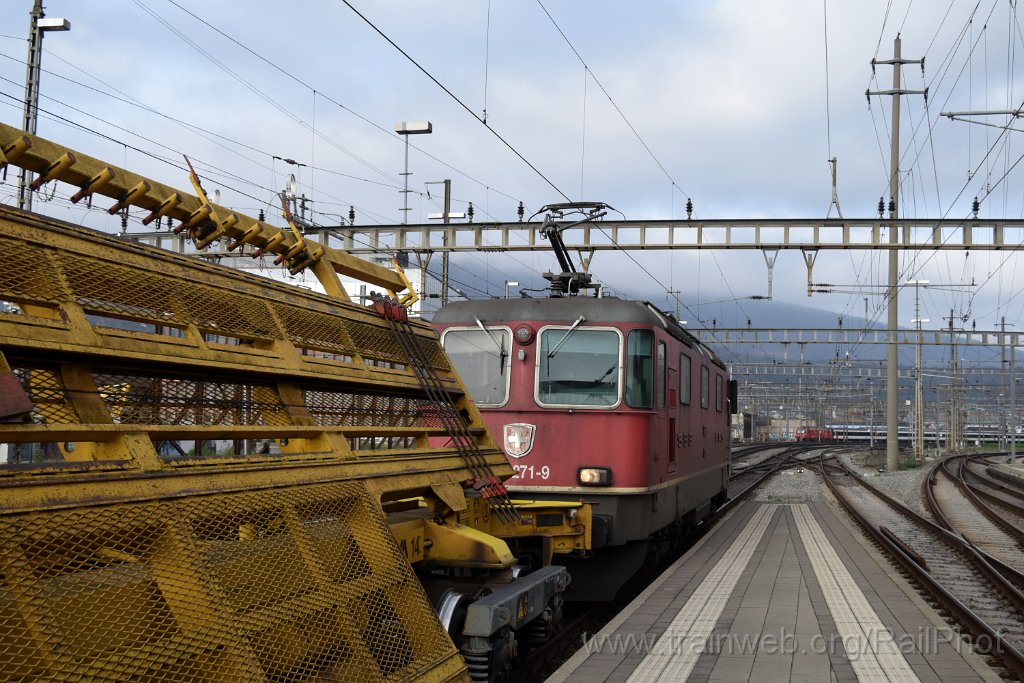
x=685, y=379
x=640, y=369
x=705, y=388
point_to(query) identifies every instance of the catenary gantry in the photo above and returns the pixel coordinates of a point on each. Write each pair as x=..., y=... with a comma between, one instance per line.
x=807, y=234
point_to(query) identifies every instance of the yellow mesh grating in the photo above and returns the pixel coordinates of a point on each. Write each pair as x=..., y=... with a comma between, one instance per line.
x=27, y=273
x=431, y=349
x=345, y=409
x=375, y=342
x=227, y=312
x=121, y=291
x=141, y=294
x=179, y=400
x=297, y=584
x=315, y=330
x=49, y=397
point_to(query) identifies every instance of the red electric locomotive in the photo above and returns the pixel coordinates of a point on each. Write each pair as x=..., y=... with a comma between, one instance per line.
x=603, y=399
x=818, y=434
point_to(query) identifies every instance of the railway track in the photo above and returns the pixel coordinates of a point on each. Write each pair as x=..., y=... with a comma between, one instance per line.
x=981, y=592
x=947, y=489
x=744, y=480
x=1001, y=494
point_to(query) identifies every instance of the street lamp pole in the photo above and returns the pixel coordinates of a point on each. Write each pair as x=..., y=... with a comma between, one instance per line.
x=405, y=129
x=37, y=27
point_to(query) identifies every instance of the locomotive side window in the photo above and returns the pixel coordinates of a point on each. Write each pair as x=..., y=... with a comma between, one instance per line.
x=578, y=367
x=481, y=358
x=639, y=367
x=705, y=388
x=662, y=384
x=685, y=380
x=719, y=397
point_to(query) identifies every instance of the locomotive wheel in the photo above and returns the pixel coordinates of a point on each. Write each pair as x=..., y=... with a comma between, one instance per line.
x=451, y=611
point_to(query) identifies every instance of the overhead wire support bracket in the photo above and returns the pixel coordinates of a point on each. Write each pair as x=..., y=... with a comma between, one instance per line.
x=770, y=254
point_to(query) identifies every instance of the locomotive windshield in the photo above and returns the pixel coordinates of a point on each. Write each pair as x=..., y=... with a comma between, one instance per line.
x=581, y=369
x=480, y=362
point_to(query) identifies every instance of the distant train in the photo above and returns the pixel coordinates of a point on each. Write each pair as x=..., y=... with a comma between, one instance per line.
x=603, y=399
x=819, y=434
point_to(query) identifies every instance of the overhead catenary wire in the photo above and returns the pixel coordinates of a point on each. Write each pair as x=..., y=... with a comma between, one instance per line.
x=173, y=161
x=944, y=68
x=454, y=97
x=207, y=134
x=213, y=172
x=133, y=102
x=390, y=133
x=658, y=149
x=256, y=91
x=588, y=70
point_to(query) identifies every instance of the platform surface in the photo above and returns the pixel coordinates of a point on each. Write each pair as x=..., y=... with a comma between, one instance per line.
x=777, y=592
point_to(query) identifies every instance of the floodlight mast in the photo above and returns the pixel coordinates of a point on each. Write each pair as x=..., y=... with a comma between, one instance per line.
x=570, y=281
x=38, y=26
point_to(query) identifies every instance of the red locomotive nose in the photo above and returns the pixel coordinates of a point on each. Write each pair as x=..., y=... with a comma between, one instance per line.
x=607, y=400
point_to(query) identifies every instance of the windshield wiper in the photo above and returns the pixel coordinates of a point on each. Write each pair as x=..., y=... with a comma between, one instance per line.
x=615, y=366
x=579, y=321
x=500, y=345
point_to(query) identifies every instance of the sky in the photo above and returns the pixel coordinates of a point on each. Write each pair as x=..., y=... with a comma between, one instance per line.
x=732, y=104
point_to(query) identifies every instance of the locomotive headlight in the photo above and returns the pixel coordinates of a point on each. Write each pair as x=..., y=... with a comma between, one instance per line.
x=524, y=334
x=594, y=476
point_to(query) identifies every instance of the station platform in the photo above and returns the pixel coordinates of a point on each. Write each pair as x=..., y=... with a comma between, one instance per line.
x=1015, y=471
x=777, y=592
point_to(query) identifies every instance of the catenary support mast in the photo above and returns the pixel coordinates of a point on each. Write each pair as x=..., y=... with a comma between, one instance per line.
x=892, y=376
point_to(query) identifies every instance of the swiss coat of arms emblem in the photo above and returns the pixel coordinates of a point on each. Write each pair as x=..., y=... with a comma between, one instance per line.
x=519, y=438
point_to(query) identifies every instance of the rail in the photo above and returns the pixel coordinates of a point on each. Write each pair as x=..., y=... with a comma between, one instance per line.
x=1001, y=648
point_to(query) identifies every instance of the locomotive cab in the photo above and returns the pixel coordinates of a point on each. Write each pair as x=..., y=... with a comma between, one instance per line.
x=599, y=399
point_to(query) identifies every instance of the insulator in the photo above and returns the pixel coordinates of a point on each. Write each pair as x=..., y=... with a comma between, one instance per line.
x=469, y=212
x=520, y=211
x=689, y=208
x=124, y=219
x=881, y=207
x=263, y=216
x=975, y=206
x=892, y=206
x=351, y=215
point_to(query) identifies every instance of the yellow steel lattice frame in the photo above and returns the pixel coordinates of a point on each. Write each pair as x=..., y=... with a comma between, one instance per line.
x=132, y=559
